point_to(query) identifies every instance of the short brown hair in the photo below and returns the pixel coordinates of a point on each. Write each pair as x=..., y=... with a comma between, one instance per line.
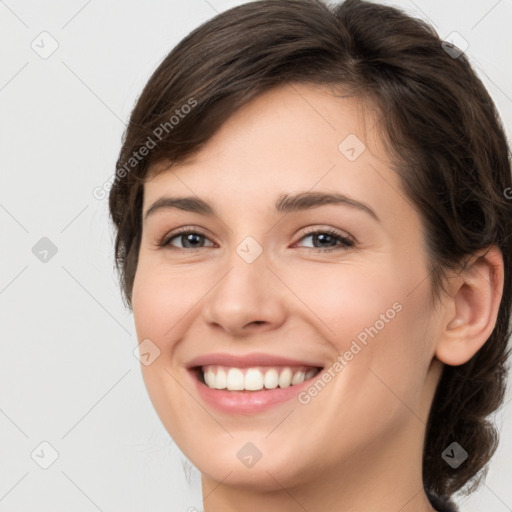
x=444, y=132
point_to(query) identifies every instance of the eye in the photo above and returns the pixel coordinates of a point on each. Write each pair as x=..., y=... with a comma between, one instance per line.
x=190, y=238
x=327, y=239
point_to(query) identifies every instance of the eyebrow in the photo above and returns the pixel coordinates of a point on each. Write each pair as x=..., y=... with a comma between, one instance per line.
x=285, y=203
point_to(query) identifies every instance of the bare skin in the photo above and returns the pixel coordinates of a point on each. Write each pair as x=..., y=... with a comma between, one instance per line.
x=357, y=444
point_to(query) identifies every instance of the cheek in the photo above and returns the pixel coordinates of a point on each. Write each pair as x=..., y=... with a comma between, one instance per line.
x=380, y=314
x=161, y=301
x=395, y=349
x=382, y=333
x=160, y=304
x=347, y=298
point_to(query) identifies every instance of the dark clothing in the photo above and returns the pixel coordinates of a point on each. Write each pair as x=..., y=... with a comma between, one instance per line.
x=442, y=504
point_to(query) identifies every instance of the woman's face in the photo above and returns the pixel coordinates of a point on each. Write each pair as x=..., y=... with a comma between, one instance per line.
x=338, y=285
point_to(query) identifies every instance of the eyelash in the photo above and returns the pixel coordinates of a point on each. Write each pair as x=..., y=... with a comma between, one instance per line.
x=345, y=242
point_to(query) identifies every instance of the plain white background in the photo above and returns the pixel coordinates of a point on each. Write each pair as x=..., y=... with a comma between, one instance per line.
x=69, y=378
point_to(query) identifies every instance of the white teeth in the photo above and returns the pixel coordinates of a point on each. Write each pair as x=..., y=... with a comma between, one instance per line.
x=235, y=380
x=271, y=379
x=209, y=378
x=220, y=380
x=255, y=379
x=285, y=379
x=298, y=377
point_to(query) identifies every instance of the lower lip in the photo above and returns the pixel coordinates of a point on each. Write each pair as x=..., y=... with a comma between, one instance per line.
x=248, y=402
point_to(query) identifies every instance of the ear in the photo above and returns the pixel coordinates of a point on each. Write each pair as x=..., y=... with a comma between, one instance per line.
x=471, y=308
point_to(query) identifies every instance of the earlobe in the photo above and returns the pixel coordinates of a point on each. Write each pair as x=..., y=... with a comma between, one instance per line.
x=474, y=305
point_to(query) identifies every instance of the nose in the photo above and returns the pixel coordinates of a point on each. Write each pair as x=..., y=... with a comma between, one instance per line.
x=246, y=298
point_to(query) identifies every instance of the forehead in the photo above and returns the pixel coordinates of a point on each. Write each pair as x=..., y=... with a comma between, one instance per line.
x=314, y=110
x=292, y=138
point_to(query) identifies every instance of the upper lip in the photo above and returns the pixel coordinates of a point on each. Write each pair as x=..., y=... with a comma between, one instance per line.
x=248, y=360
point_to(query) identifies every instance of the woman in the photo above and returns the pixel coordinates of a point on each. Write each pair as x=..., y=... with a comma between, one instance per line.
x=313, y=233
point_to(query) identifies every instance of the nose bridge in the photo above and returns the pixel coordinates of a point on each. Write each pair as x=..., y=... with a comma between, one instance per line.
x=245, y=291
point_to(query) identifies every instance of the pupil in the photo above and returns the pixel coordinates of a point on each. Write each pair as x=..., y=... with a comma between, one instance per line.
x=323, y=237
x=194, y=237
x=191, y=236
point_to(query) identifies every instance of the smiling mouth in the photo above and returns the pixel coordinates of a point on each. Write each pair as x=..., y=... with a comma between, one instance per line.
x=257, y=378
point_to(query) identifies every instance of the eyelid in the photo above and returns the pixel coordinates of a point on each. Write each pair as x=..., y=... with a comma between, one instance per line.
x=346, y=240
x=164, y=241
x=326, y=229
